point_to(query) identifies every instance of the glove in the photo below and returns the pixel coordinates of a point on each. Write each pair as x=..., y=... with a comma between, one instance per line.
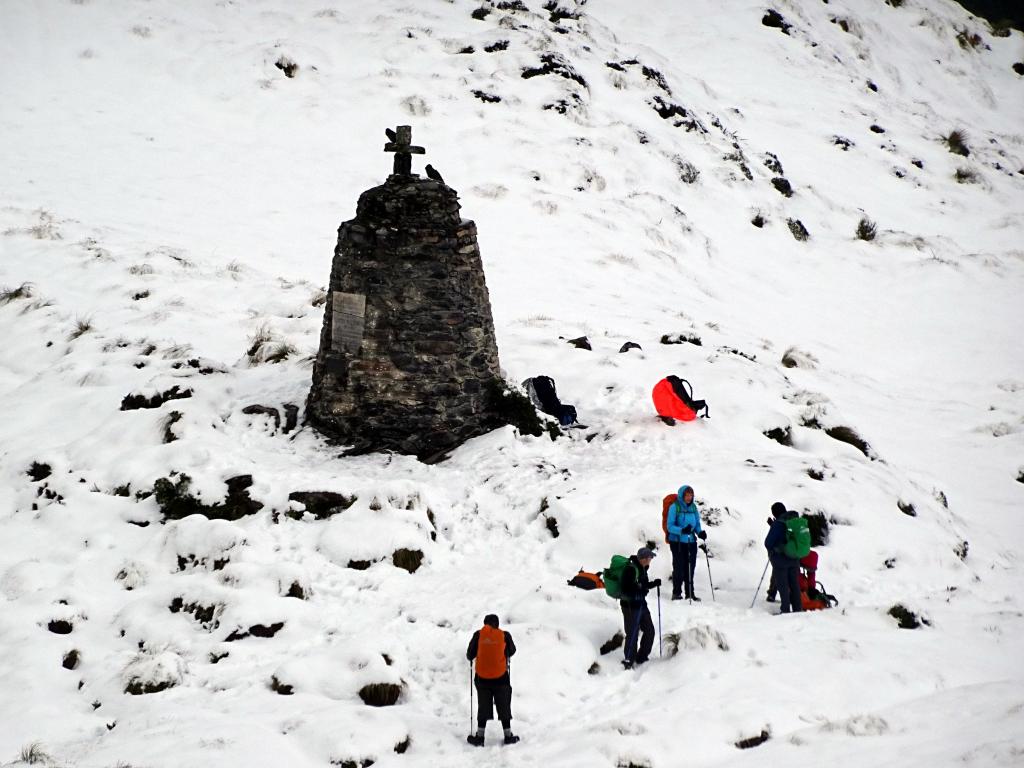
x=702, y=536
x=688, y=529
x=655, y=584
x=704, y=547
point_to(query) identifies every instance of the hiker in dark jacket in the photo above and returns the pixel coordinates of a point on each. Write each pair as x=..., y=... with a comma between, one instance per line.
x=785, y=570
x=683, y=525
x=780, y=508
x=636, y=616
x=492, y=649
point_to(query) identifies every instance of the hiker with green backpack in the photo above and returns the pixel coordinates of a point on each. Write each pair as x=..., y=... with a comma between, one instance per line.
x=626, y=579
x=788, y=540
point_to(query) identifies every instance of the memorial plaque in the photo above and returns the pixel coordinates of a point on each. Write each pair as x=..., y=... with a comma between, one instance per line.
x=349, y=318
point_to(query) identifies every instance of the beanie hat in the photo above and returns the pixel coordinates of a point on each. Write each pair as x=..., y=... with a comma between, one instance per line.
x=778, y=509
x=491, y=620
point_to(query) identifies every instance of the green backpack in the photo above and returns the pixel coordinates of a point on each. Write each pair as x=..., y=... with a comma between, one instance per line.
x=612, y=575
x=798, y=538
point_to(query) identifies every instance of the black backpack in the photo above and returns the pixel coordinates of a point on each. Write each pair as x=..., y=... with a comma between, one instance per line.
x=544, y=397
x=687, y=397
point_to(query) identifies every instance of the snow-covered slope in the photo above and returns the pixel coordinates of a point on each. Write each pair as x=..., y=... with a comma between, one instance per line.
x=169, y=195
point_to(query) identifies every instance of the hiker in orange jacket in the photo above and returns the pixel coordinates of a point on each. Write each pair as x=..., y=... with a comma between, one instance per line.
x=492, y=649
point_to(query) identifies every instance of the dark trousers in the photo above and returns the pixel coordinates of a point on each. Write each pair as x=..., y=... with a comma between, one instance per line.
x=772, y=589
x=785, y=575
x=637, y=623
x=684, y=563
x=491, y=694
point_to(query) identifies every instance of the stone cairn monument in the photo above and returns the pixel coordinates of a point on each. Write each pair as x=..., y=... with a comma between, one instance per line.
x=408, y=360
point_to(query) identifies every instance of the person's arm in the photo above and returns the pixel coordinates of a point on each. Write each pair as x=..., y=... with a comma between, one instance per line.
x=510, y=647
x=771, y=541
x=471, y=650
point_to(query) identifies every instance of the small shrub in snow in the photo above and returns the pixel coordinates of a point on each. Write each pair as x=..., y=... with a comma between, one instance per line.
x=956, y=142
x=481, y=13
x=754, y=741
x=1018, y=67
x=965, y=176
x=894, y=3
x=39, y=471
x=487, y=98
x=554, y=64
x=876, y=129
x=407, y=559
x=758, y=221
x=907, y=618
x=552, y=525
x=782, y=186
x=781, y=435
x=380, y=694
x=906, y=508
x=774, y=19
x=773, y=164
x=134, y=402
x=60, y=627
x=798, y=230
x=969, y=41
x=280, y=688
x=866, y=229
x=961, y=550
x=167, y=426
x=500, y=45
x=581, y=342
x=688, y=172
x=71, y=659
x=23, y=291
x=842, y=143
x=681, y=338
x=613, y=644
x=131, y=576
x=322, y=504
x=176, y=502
x=815, y=474
x=849, y=435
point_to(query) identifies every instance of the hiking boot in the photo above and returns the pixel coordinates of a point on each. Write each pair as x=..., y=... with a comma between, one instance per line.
x=770, y=599
x=511, y=739
x=694, y=597
x=676, y=596
x=627, y=664
x=476, y=741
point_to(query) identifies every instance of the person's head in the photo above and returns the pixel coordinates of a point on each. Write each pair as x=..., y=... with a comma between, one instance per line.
x=778, y=509
x=491, y=620
x=686, y=494
x=644, y=555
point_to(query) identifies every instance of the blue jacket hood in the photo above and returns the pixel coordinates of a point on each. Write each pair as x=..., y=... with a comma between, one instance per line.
x=683, y=490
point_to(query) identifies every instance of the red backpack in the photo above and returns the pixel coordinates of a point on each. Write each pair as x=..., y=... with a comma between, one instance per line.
x=673, y=401
x=666, y=505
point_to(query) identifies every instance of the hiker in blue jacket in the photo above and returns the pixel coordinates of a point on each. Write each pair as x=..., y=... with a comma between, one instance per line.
x=785, y=570
x=684, y=529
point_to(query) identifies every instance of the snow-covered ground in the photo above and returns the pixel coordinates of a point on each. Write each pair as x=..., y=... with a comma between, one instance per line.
x=169, y=194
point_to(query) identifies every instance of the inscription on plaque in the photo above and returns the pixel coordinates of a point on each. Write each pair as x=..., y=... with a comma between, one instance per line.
x=348, y=321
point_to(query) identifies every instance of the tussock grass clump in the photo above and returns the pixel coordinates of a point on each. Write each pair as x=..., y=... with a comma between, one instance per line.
x=23, y=291
x=82, y=326
x=513, y=407
x=849, y=435
x=34, y=754
x=956, y=142
x=866, y=229
x=281, y=688
x=71, y=659
x=781, y=435
x=39, y=471
x=965, y=176
x=612, y=644
x=969, y=41
x=817, y=524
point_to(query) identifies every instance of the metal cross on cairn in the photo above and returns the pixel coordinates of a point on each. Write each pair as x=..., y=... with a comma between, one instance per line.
x=400, y=142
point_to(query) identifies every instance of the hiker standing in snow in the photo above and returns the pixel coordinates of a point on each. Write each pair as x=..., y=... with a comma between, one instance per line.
x=492, y=649
x=785, y=569
x=684, y=529
x=636, y=616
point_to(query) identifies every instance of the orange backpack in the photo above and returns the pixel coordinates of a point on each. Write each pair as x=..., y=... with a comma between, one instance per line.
x=490, y=653
x=666, y=504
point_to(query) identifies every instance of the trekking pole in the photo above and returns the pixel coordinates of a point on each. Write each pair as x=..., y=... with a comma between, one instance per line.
x=470, y=698
x=708, y=561
x=661, y=651
x=759, y=582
